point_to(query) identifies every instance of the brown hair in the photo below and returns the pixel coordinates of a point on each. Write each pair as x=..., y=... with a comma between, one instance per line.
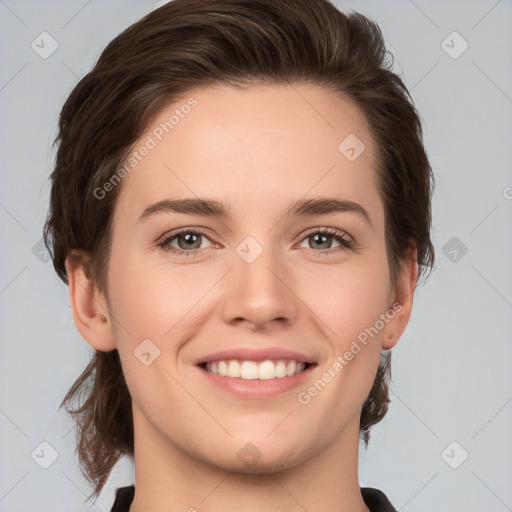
x=183, y=45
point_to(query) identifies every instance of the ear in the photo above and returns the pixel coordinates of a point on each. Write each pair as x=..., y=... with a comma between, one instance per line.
x=88, y=305
x=403, y=299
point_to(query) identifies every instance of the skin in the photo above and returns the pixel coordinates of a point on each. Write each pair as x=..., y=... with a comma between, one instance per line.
x=257, y=150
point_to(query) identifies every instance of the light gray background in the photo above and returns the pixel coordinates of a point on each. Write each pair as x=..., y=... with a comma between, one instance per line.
x=451, y=369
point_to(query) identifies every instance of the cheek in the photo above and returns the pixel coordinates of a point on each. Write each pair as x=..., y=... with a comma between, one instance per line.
x=349, y=302
x=348, y=299
x=149, y=300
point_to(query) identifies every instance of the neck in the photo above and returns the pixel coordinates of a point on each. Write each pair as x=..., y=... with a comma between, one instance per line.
x=169, y=479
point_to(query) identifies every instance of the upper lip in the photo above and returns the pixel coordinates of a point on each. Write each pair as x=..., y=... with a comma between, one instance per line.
x=255, y=354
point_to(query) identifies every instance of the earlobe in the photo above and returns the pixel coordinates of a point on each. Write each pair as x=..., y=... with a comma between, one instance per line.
x=405, y=287
x=88, y=305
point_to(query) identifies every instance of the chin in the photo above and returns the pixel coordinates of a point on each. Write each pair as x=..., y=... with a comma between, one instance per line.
x=264, y=466
x=252, y=457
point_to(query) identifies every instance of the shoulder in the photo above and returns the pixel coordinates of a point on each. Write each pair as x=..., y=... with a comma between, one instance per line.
x=376, y=500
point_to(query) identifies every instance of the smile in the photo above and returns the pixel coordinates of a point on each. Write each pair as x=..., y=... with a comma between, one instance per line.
x=252, y=370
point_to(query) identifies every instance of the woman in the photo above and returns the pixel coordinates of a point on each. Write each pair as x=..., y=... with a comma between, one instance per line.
x=241, y=208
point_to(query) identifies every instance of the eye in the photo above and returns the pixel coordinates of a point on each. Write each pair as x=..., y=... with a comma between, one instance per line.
x=188, y=240
x=322, y=238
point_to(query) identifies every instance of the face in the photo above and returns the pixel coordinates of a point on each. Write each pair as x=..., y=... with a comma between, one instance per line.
x=276, y=285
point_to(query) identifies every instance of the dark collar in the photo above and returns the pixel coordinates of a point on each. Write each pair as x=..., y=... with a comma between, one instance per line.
x=374, y=499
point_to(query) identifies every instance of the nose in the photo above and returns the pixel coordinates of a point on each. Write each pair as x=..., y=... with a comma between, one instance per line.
x=259, y=288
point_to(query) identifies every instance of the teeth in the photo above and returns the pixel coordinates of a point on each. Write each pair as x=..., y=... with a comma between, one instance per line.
x=249, y=370
x=252, y=370
x=291, y=367
x=266, y=370
x=281, y=369
x=233, y=369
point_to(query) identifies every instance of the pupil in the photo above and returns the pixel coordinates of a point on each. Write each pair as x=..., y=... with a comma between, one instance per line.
x=189, y=238
x=319, y=238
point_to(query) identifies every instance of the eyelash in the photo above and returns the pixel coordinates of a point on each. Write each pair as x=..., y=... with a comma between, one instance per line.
x=345, y=240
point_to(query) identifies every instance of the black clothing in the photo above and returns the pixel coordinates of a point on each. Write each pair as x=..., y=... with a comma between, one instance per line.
x=124, y=498
x=374, y=499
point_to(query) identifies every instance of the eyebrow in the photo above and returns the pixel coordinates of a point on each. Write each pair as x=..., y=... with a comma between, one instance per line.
x=217, y=209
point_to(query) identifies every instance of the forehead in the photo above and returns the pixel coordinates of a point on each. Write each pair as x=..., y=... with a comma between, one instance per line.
x=262, y=143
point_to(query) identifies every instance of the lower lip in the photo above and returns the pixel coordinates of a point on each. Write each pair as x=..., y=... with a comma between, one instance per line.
x=257, y=388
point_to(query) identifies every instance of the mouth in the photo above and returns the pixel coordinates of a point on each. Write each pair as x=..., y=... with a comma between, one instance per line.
x=256, y=370
x=257, y=373
x=257, y=380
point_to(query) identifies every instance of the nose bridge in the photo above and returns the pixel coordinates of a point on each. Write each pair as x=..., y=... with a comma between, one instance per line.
x=258, y=293
x=256, y=261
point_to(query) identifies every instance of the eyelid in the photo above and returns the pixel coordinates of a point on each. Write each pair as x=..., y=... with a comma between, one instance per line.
x=348, y=241
x=187, y=229
x=336, y=232
x=331, y=231
x=178, y=231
